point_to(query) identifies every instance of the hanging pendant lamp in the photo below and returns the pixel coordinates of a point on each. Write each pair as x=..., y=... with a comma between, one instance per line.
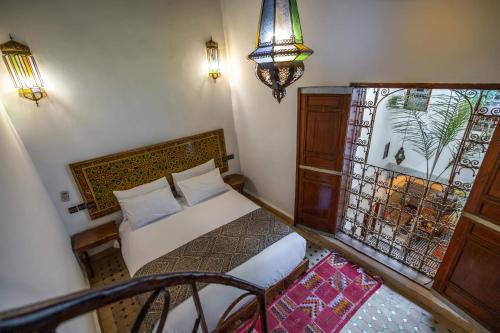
x=280, y=46
x=400, y=155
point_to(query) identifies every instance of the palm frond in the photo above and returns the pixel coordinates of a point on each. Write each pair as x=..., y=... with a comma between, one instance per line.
x=449, y=118
x=430, y=133
x=413, y=126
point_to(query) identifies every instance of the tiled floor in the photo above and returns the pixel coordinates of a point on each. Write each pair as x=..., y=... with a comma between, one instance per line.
x=388, y=311
x=109, y=268
x=385, y=311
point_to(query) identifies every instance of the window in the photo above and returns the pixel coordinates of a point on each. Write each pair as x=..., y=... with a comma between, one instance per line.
x=417, y=99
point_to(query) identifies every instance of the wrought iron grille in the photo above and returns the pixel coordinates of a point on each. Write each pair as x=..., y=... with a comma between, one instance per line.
x=399, y=212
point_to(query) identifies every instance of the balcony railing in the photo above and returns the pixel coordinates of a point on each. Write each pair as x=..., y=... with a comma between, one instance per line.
x=45, y=317
x=405, y=217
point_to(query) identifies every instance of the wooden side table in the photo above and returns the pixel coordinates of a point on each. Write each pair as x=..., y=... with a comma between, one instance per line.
x=236, y=181
x=88, y=239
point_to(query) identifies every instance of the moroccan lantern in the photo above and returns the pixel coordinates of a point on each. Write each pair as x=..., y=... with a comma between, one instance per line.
x=213, y=59
x=400, y=156
x=280, y=46
x=23, y=70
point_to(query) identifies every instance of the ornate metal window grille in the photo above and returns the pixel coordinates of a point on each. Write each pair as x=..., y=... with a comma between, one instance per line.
x=407, y=217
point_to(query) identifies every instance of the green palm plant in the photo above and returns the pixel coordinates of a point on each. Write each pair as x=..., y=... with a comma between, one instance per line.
x=431, y=133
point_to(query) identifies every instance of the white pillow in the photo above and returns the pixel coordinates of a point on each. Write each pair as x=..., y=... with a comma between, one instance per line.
x=202, y=187
x=146, y=208
x=142, y=189
x=193, y=172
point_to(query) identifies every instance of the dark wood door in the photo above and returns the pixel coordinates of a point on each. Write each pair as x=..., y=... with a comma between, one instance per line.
x=321, y=129
x=470, y=273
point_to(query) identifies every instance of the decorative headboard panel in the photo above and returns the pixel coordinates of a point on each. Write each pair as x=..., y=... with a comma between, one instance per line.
x=99, y=177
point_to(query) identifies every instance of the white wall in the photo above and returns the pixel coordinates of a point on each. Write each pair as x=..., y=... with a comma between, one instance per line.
x=36, y=260
x=354, y=41
x=120, y=74
x=123, y=74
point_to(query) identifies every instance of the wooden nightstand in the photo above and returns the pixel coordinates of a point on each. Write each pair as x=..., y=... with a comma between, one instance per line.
x=236, y=181
x=88, y=239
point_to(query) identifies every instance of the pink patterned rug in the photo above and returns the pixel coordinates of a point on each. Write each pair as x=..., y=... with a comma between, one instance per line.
x=323, y=300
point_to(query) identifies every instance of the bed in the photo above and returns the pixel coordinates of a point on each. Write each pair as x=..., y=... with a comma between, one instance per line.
x=144, y=250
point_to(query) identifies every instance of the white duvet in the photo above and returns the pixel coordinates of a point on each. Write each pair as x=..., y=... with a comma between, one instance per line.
x=154, y=240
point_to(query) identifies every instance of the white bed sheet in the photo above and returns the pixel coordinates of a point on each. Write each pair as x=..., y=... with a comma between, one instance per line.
x=265, y=269
x=158, y=238
x=154, y=240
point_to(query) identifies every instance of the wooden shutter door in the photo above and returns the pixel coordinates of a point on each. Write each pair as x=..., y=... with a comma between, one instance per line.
x=321, y=131
x=470, y=273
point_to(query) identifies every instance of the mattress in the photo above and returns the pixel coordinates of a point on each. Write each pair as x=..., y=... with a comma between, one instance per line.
x=154, y=240
x=265, y=269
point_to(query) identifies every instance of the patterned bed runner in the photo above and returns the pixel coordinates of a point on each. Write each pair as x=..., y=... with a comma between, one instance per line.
x=219, y=251
x=322, y=301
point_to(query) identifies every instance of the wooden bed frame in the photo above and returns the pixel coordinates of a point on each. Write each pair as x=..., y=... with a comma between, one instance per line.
x=97, y=179
x=246, y=312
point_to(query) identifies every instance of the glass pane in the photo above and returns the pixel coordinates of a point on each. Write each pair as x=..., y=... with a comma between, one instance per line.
x=12, y=71
x=283, y=48
x=267, y=23
x=27, y=65
x=17, y=69
x=36, y=72
x=263, y=50
x=284, y=58
x=297, y=29
x=302, y=57
x=263, y=60
x=213, y=62
x=261, y=54
x=28, y=81
x=283, y=29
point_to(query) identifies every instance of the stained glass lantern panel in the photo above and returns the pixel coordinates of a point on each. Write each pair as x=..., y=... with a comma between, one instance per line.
x=279, y=41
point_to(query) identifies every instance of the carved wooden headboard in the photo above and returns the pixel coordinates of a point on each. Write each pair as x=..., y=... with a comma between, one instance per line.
x=99, y=177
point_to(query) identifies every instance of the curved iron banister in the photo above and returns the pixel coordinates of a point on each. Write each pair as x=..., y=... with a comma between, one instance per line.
x=46, y=316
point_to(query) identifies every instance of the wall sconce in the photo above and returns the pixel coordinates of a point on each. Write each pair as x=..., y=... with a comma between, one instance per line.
x=213, y=59
x=23, y=70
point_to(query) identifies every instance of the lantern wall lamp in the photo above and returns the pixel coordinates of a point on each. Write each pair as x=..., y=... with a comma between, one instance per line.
x=213, y=59
x=23, y=70
x=280, y=46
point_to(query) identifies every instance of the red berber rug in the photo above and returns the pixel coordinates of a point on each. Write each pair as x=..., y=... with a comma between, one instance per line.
x=323, y=300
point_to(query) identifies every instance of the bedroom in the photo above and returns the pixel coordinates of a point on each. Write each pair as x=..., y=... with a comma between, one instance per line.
x=122, y=76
